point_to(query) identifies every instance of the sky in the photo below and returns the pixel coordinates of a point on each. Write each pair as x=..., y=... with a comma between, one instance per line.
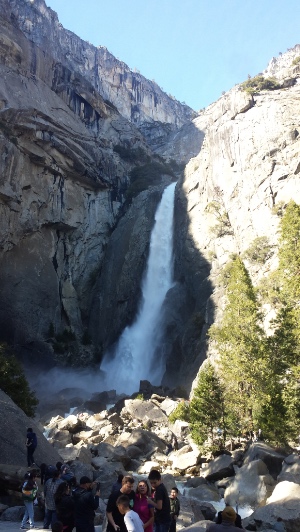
x=193, y=49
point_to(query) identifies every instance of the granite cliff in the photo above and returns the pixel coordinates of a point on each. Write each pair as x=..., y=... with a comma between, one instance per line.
x=66, y=156
x=248, y=168
x=74, y=122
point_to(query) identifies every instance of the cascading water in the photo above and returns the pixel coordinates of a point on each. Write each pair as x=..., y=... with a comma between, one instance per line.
x=137, y=355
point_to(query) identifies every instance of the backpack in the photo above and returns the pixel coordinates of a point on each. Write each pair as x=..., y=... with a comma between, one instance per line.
x=29, y=491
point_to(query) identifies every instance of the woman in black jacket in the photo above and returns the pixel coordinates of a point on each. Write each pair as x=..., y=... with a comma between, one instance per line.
x=65, y=506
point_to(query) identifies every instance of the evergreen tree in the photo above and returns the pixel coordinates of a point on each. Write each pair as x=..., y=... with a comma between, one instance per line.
x=240, y=343
x=207, y=413
x=14, y=383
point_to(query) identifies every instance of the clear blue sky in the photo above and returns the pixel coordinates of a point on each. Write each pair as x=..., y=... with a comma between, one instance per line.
x=194, y=49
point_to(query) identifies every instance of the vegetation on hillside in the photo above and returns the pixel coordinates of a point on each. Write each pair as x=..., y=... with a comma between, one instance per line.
x=260, y=83
x=256, y=381
x=14, y=383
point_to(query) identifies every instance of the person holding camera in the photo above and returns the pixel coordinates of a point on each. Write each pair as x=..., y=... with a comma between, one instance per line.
x=65, y=507
x=85, y=504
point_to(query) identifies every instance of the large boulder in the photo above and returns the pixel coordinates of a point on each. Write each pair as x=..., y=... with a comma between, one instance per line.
x=13, y=429
x=220, y=467
x=252, y=485
x=290, y=469
x=284, y=503
x=272, y=458
x=186, y=461
x=144, y=411
x=205, y=492
x=107, y=476
x=146, y=441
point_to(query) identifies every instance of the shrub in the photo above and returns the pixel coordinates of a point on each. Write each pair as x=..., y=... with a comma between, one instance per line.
x=14, y=383
x=259, y=250
x=296, y=61
x=182, y=412
x=223, y=227
x=260, y=83
x=140, y=396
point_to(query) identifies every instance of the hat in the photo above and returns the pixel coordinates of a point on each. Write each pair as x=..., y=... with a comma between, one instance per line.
x=228, y=514
x=85, y=480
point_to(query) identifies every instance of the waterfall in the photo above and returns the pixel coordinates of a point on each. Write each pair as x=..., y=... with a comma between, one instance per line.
x=137, y=355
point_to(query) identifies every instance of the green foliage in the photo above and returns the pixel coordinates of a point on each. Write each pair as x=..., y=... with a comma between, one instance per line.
x=260, y=83
x=14, y=383
x=140, y=396
x=181, y=412
x=223, y=226
x=207, y=412
x=239, y=340
x=259, y=250
x=278, y=209
x=296, y=61
x=289, y=255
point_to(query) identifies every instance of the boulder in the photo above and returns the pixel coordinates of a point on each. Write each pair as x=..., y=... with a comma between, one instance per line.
x=194, y=482
x=133, y=451
x=168, y=405
x=80, y=469
x=199, y=526
x=72, y=423
x=272, y=458
x=180, y=429
x=15, y=513
x=146, y=441
x=107, y=476
x=290, y=469
x=219, y=468
x=146, y=467
x=204, y=492
x=189, y=512
x=13, y=429
x=184, y=461
x=284, y=503
x=76, y=453
x=251, y=486
x=143, y=411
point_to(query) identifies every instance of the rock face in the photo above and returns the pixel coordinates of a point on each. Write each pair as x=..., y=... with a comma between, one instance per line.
x=64, y=108
x=248, y=165
x=137, y=99
x=13, y=428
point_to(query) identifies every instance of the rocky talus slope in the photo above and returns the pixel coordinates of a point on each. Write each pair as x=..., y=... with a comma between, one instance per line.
x=132, y=437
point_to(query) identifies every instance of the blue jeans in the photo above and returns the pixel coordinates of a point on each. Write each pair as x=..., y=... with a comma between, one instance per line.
x=50, y=517
x=29, y=513
x=162, y=527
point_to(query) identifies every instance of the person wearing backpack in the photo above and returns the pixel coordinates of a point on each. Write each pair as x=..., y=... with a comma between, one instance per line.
x=29, y=491
x=49, y=492
x=31, y=445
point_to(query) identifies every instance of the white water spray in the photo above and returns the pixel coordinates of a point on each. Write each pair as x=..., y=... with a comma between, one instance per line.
x=137, y=355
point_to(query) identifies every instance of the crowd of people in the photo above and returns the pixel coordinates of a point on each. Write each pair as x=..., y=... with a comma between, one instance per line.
x=69, y=504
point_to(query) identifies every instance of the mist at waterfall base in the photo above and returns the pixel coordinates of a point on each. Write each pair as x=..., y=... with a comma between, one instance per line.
x=139, y=354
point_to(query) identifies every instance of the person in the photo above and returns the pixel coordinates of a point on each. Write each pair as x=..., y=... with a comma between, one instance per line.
x=132, y=520
x=117, y=485
x=50, y=488
x=169, y=448
x=161, y=502
x=29, y=492
x=65, y=507
x=175, y=443
x=66, y=473
x=31, y=445
x=238, y=519
x=57, y=527
x=228, y=520
x=85, y=505
x=175, y=508
x=141, y=506
x=115, y=520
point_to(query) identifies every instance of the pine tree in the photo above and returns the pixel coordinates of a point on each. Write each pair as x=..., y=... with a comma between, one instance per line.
x=207, y=413
x=240, y=343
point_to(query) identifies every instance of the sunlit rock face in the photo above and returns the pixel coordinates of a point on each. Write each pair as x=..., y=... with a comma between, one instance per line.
x=249, y=164
x=137, y=98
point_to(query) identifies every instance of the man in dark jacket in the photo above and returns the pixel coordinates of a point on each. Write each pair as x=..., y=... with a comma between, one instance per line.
x=115, y=520
x=85, y=505
x=31, y=444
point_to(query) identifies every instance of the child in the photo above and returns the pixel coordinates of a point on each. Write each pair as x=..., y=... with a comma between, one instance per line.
x=175, y=508
x=131, y=519
x=160, y=502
